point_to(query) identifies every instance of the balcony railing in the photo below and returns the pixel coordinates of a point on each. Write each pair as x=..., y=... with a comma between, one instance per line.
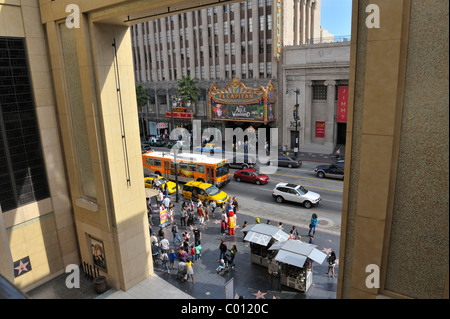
x=334, y=39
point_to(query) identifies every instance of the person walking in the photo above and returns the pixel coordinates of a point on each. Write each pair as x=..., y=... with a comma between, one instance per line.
x=313, y=224
x=311, y=239
x=164, y=244
x=176, y=235
x=172, y=257
x=183, y=215
x=212, y=207
x=166, y=202
x=233, y=252
x=235, y=205
x=223, y=248
x=197, y=235
x=198, y=251
x=192, y=252
x=201, y=215
x=165, y=260
x=294, y=231
x=223, y=227
x=331, y=263
x=189, y=269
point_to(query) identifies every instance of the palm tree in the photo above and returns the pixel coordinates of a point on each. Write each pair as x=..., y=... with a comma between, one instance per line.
x=141, y=96
x=188, y=89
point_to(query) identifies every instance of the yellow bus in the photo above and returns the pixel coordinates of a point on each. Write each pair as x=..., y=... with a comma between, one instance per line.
x=190, y=167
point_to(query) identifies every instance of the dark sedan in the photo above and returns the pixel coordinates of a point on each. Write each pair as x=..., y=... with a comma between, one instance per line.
x=287, y=162
x=250, y=175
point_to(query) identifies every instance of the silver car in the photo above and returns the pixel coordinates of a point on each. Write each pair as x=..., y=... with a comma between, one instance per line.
x=295, y=193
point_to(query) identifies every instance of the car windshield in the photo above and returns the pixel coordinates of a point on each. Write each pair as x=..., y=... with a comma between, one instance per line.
x=223, y=170
x=162, y=180
x=302, y=190
x=212, y=190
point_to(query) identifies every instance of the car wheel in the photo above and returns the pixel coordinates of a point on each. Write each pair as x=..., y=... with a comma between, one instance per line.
x=244, y=166
x=258, y=182
x=290, y=165
x=280, y=199
x=307, y=204
x=320, y=175
x=238, y=179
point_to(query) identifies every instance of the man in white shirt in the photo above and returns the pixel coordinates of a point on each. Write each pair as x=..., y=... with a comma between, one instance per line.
x=166, y=202
x=164, y=244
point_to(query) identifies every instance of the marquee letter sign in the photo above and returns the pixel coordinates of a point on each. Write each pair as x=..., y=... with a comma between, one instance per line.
x=342, y=105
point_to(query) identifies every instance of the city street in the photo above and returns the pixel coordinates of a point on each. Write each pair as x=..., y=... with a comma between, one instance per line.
x=260, y=203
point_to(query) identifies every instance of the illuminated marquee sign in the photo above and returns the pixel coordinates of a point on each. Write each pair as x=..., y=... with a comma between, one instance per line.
x=239, y=103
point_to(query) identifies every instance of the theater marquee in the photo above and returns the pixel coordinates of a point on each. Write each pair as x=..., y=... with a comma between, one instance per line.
x=238, y=103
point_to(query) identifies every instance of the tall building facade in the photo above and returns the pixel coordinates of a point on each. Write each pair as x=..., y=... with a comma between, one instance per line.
x=238, y=40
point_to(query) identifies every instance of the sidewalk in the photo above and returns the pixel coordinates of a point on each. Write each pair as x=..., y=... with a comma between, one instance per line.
x=250, y=281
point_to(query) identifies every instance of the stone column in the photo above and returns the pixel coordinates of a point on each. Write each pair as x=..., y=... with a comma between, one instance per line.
x=330, y=121
x=154, y=71
x=176, y=26
x=307, y=118
x=140, y=40
x=303, y=22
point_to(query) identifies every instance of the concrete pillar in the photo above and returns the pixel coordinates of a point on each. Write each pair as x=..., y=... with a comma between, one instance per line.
x=330, y=121
x=140, y=39
x=303, y=22
x=307, y=126
x=176, y=25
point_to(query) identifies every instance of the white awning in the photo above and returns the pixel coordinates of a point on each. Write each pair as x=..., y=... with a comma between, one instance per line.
x=295, y=252
x=290, y=258
x=258, y=238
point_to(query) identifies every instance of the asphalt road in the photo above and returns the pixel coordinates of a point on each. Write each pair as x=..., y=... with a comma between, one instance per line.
x=257, y=201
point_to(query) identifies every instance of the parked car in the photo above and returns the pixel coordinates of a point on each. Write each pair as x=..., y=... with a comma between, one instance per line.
x=195, y=189
x=209, y=147
x=295, y=193
x=251, y=175
x=287, y=162
x=145, y=148
x=157, y=142
x=335, y=170
x=243, y=161
x=157, y=180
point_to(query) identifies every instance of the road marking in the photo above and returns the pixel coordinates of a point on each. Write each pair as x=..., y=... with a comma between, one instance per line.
x=314, y=178
x=310, y=186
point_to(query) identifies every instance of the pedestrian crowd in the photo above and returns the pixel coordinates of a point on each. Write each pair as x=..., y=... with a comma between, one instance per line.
x=187, y=235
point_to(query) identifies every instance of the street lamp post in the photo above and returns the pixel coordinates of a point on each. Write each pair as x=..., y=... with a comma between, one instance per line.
x=174, y=103
x=296, y=119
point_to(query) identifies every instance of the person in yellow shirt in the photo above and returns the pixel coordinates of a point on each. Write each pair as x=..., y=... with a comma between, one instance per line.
x=189, y=269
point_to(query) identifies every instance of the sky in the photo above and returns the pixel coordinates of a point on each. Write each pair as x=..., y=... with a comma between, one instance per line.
x=336, y=16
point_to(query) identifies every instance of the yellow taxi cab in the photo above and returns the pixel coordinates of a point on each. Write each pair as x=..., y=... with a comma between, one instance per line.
x=155, y=181
x=195, y=190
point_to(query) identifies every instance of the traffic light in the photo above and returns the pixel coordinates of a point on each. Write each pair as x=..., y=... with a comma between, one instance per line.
x=296, y=116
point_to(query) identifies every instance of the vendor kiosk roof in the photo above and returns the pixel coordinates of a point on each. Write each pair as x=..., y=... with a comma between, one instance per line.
x=295, y=252
x=261, y=234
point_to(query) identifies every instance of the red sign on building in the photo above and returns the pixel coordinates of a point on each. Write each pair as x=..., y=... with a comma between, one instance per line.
x=320, y=129
x=342, y=105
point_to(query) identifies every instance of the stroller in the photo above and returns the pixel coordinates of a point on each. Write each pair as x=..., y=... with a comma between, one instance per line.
x=182, y=271
x=227, y=261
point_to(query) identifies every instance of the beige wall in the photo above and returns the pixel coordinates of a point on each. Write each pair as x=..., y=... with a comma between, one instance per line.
x=395, y=206
x=45, y=230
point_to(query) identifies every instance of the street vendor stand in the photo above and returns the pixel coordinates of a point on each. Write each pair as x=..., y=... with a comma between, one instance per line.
x=294, y=259
x=261, y=237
